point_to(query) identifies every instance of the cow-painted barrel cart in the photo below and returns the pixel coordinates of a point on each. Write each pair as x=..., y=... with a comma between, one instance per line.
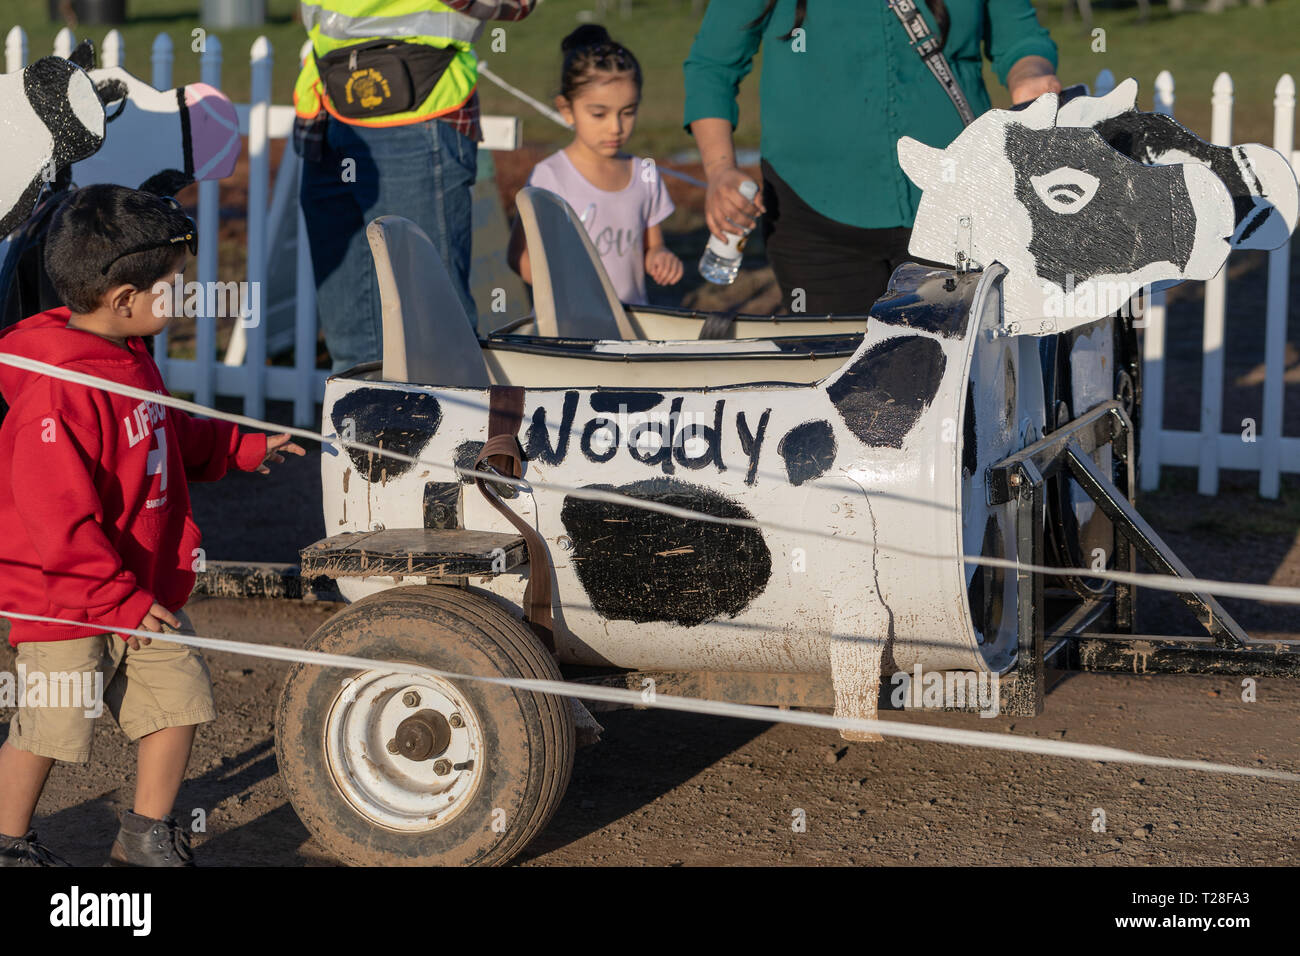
x=943, y=430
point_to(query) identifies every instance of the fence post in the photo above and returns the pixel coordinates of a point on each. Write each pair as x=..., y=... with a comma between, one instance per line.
x=1212, y=339
x=15, y=50
x=160, y=54
x=64, y=41
x=205, y=332
x=259, y=158
x=1153, y=342
x=161, y=57
x=114, y=50
x=1270, y=431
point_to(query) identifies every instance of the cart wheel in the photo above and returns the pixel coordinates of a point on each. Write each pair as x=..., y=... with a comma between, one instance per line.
x=391, y=769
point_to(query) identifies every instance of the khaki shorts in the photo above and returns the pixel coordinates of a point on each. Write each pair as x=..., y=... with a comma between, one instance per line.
x=163, y=684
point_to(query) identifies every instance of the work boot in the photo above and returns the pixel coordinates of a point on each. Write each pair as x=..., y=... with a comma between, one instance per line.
x=26, y=851
x=144, y=841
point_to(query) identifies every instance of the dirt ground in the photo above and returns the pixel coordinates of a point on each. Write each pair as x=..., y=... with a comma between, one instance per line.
x=668, y=789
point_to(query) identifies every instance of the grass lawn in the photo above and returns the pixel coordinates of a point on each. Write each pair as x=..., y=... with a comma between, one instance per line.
x=1255, y=45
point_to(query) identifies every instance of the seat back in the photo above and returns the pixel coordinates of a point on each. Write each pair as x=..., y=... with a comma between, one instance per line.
x=428, y=339
x=572, y=295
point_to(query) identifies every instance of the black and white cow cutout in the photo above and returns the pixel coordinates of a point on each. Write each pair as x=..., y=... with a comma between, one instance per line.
x=1079, y=226
x=161, y=140
x=50, y=117
x=1265, y=195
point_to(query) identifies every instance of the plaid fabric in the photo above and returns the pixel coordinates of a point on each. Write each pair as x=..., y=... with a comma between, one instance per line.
x=466, y=119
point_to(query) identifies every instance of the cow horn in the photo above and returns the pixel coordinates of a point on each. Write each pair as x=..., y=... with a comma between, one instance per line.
x=918, y=160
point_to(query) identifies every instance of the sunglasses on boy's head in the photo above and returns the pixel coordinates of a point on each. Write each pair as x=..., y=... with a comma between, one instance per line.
x=190, y=237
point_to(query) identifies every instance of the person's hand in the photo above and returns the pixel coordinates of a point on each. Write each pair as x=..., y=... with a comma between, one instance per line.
x=153, y=621
x=274, y=445
x=662, y=266
x=725, y=209
x=1030, y=77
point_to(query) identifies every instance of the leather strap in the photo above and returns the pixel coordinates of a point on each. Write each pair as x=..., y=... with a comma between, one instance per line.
x=501, y=451
x=926, y=45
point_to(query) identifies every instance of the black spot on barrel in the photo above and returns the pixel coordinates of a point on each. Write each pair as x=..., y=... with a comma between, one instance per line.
x=643, y=566
x=808, y=451
x=969, y=445
x=986, y=587
x=394, y=420
x=883, y=393
x=465, y=456
x=620, y=401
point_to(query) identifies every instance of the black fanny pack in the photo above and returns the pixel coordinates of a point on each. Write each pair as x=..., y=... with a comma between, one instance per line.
x=382, y=77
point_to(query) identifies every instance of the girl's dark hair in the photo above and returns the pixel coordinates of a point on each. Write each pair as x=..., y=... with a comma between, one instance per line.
x=96, y=224
x=937, y=7
x=589, y=50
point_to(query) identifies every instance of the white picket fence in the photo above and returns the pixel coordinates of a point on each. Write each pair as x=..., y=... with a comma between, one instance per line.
x=253, y=380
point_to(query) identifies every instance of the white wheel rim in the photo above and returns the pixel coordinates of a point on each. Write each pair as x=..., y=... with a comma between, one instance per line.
x=389, y=789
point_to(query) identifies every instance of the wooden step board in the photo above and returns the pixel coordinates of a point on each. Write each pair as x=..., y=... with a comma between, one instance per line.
x=414, y=552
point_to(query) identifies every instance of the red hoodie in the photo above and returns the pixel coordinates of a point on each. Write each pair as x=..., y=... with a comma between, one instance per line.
x=95, y=521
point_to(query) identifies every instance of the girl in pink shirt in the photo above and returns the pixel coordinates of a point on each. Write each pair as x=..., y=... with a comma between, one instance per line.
x=621, y=198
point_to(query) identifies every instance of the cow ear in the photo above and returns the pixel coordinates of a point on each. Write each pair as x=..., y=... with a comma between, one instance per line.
x=1122, y=98
x=1040, y=114
x=918, y=160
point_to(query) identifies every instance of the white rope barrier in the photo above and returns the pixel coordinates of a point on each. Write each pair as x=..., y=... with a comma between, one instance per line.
x=1160, y=582
x=886, y=728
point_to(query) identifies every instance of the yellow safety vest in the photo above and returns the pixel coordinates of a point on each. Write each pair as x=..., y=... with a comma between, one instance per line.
x=334, y=24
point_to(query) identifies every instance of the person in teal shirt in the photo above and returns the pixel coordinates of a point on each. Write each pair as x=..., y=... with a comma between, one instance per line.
x=840, y=84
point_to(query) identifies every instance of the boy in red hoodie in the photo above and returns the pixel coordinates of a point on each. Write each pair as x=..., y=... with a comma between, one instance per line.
x=95, y=520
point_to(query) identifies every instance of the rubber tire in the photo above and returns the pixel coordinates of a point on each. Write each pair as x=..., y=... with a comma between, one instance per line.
x=528, y=737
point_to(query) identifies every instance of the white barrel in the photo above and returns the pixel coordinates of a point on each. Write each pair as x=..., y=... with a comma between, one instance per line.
x=888, y=453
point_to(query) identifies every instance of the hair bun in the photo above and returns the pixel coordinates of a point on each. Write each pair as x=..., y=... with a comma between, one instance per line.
x=589, y=34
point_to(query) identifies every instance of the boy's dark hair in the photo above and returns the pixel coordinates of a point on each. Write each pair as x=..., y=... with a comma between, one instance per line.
x=589, y=50
x=98, y=223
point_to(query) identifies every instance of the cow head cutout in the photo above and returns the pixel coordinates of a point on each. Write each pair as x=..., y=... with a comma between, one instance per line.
x=1265, y=195
x=192, y=133
x=1079, y=226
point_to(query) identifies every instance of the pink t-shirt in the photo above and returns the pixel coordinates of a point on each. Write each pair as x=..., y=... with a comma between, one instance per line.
x=617, y=221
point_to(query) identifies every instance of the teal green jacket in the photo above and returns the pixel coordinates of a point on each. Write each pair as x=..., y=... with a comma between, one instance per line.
x=832, y=113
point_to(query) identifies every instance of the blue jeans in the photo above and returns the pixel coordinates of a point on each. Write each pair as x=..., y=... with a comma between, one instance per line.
x=423, y=171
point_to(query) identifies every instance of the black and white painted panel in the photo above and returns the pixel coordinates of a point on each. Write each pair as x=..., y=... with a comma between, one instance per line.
x=1078, y=226
x=191, y=132
x=50, y=116
x=1265, y=195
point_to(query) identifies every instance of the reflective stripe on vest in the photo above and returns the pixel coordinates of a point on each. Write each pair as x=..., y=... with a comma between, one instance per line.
x=427, y=23
x=330, y=25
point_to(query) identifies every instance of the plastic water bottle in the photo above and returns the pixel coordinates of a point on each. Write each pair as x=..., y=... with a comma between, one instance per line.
x=721, y=260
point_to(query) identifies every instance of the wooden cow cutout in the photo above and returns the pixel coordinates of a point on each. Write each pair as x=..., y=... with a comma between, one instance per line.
x=1079, y=226
x=50, y=116
x=161, y=140
x=1265, y=196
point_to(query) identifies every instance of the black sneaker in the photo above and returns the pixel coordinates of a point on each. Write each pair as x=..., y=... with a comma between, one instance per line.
x=27, y=851
x=144, y=841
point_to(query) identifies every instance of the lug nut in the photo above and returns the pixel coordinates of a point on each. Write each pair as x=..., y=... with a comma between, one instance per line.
x=442, y=767
x=411, y=699
x=456, y=720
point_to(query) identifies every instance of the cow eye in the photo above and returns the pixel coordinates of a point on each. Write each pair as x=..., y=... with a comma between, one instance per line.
x=1065, y=190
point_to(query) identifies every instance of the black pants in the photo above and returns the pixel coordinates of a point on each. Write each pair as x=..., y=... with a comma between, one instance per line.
x=839, y=268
